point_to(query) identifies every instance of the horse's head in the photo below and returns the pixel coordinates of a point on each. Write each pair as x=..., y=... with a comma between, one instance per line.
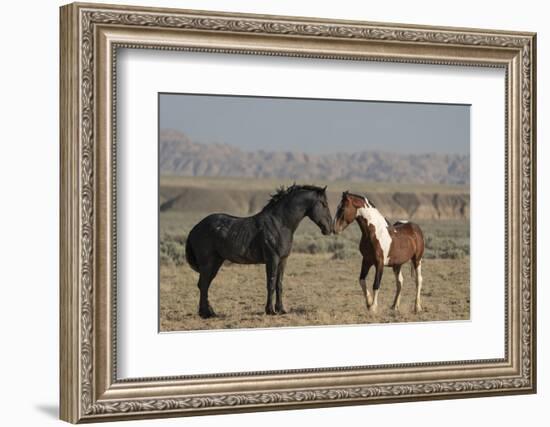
x=347, y=211
x=319, y=212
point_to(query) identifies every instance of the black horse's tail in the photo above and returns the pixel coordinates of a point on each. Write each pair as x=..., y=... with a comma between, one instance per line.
x=190, y=256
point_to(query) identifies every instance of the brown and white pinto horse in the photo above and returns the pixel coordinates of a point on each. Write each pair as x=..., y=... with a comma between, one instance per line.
x=382, y=244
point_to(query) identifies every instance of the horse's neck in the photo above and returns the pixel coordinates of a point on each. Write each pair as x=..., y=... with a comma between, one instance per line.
x=372, y=223
x=290, y=214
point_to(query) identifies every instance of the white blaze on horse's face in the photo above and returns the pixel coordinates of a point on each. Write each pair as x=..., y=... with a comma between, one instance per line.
x=377, y=220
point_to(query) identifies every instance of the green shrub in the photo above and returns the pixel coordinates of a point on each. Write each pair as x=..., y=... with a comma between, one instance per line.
x=309, y=244
x=172, y=249
x=319, y=244
x=345, y=253
x=447, y=248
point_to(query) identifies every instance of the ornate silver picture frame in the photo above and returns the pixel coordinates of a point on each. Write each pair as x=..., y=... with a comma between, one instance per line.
x=91, y=36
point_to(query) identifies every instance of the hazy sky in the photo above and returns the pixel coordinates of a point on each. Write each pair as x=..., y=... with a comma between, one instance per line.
x=318, y=126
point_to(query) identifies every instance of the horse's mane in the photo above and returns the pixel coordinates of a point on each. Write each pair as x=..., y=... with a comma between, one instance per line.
x=283, y=192
x=370, y=203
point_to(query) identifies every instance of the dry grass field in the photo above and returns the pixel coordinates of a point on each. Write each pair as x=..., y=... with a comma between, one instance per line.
x=321, y=279
x=318, y=291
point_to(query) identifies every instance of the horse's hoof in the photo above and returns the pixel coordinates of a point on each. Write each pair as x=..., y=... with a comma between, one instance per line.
x=418, y=308
x=373, y=308
x=206, y=314
x=280, y=310
x=269, y=311
x=395, y=307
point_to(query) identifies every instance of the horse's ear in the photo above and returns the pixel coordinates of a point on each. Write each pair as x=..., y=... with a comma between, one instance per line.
x=325, y=189
x=346, y=197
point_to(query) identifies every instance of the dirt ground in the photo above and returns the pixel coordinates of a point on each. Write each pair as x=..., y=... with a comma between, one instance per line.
x=318, y=290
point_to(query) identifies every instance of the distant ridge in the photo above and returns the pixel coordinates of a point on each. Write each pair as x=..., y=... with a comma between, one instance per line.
x=181, y=156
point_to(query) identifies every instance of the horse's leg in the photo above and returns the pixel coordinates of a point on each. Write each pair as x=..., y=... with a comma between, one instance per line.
x=398, y=286
x=207, y=273
x=279, y=307
x=418, y=277
x=271, y=269
x=365, y=267
x=376, y=287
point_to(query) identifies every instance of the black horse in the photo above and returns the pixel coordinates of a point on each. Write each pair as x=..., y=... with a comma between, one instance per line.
x=264, y=238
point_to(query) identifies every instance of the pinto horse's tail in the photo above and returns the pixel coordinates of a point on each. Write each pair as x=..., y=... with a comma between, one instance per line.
x=190, y=256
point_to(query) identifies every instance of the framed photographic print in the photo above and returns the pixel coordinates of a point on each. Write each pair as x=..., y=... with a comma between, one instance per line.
x=265, y=212
x=337, y=140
